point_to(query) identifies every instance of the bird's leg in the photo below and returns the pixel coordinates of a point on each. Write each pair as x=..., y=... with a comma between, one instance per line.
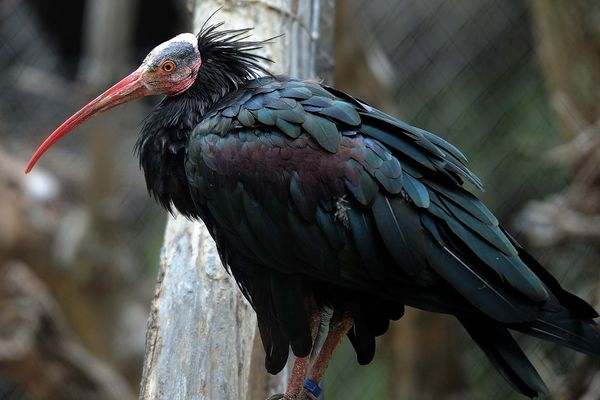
x=321, y=335
x=338, y=327
x=295, y=388
x=328, y=330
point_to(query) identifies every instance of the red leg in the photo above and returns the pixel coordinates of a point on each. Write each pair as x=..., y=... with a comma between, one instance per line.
x=297, y=379
x=338, y=329
x=295, y=388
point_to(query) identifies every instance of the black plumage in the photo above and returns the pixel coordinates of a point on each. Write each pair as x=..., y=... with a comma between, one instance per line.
x=314, y=197
x=311, y=193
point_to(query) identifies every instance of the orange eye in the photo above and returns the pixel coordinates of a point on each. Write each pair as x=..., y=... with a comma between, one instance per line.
x=168, y=66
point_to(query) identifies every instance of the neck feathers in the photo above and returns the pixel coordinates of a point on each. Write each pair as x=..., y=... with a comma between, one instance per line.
x=228, y=62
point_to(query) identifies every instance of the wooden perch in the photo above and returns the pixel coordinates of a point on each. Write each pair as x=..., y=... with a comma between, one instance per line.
x=201, y=342
x=204, y=331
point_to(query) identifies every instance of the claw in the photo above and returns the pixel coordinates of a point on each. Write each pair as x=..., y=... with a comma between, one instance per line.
x=282, y=396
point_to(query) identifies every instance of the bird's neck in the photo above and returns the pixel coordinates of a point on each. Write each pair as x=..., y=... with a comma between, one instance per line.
x=161, y=151
x=163, y=139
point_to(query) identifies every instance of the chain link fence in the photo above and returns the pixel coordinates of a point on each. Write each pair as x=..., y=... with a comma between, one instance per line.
x=466, y=70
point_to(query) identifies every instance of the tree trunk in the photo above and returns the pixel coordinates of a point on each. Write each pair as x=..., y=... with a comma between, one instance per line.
x=201, y=331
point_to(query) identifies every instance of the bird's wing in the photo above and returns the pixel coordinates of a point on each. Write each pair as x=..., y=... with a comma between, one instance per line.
x=298, y=162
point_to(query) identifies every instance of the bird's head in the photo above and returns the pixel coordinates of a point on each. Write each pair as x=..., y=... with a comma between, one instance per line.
x=169, y=69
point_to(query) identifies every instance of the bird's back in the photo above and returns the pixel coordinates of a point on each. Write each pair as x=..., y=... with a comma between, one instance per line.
x=314, y=194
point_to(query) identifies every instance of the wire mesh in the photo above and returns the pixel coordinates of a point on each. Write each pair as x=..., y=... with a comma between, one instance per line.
x=467, y=70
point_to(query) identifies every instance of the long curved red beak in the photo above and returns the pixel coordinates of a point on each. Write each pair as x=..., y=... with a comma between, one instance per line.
x=129, y=88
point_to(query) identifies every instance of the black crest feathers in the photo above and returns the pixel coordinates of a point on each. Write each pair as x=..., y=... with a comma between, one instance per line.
x=228, y=59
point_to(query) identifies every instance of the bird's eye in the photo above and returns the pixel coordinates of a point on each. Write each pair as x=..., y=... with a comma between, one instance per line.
x=168, y=66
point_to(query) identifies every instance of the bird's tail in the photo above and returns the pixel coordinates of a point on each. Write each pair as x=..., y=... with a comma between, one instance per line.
x=566, y=330
x=506, y=356
x=565, y=318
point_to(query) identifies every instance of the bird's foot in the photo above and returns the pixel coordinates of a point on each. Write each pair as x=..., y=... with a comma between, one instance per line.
x=310, y=391
x=303, y=395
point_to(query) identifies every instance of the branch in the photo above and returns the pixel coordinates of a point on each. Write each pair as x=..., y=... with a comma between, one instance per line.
x=40, y=353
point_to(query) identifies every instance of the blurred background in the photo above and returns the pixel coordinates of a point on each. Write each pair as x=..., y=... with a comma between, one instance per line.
x=513, y=83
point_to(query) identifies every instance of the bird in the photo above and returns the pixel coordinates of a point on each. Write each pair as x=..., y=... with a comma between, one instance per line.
x=331, y=215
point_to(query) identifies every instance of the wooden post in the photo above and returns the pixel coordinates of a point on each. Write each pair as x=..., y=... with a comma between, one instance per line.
x=201, y=331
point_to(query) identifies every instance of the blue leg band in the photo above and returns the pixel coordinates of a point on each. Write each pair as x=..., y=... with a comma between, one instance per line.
x=312, y=387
